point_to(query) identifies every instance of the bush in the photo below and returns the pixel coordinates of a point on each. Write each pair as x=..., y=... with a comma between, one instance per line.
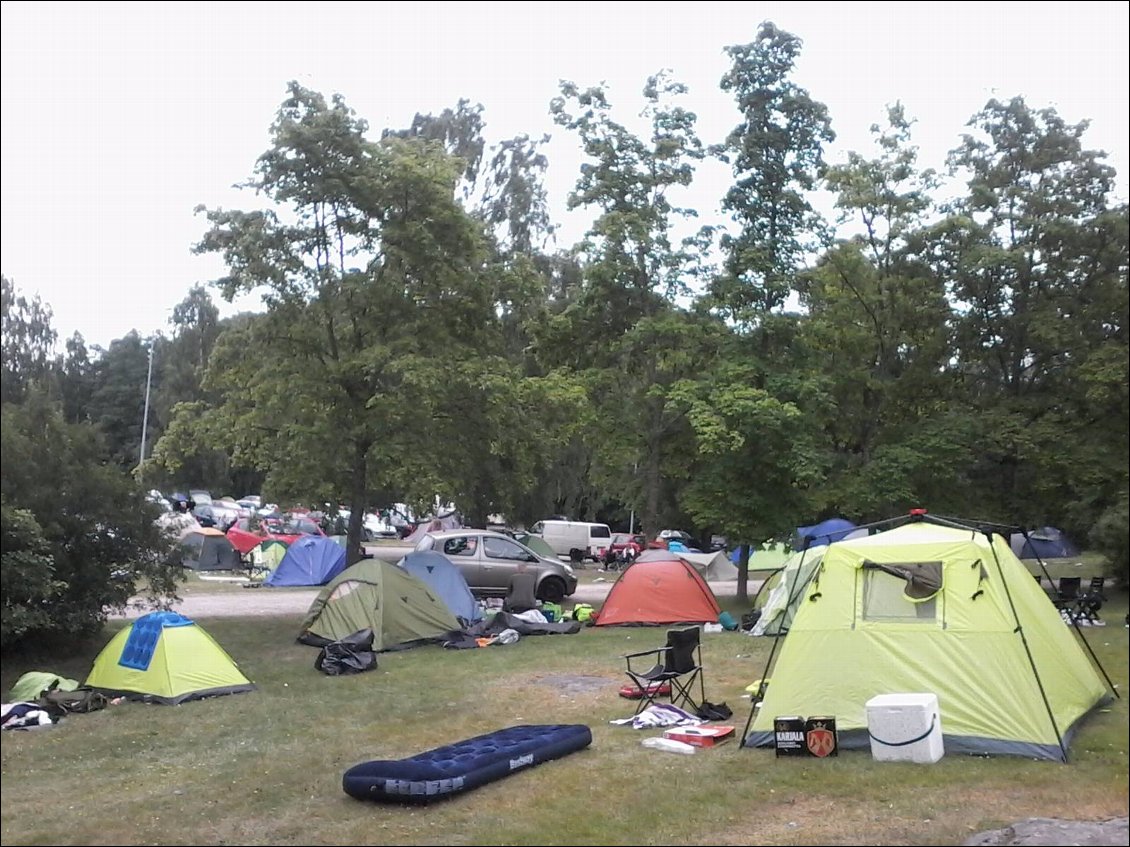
x=1111, y=536
x=77, y=533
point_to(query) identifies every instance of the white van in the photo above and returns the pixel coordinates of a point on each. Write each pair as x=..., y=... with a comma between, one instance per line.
x=589, y=539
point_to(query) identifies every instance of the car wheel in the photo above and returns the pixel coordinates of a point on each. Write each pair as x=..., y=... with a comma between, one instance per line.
x=551, y=590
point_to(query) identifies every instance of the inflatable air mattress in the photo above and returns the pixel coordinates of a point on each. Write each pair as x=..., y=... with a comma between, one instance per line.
x=453, y=769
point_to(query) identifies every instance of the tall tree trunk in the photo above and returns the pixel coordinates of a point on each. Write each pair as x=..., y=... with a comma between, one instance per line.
x=357, y=493
x=652, y=482
x=743, y=572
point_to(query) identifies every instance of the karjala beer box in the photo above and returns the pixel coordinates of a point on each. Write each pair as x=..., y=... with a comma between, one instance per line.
x=820, y=736
x=788, y=735
x=815, y=735
x=700, y=736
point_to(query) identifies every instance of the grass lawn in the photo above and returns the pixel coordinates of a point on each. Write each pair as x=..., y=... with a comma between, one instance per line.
x=265, y=767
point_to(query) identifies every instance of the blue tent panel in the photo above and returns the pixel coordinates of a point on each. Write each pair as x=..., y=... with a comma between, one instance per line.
x=825, y=532
x=144, y=635
x=444, y=578
x=311, y=560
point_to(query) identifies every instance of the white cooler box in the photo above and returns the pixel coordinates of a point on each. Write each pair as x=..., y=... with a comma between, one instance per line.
x=905, y=728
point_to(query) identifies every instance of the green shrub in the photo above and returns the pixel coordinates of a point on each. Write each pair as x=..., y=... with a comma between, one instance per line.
x=1111, y=536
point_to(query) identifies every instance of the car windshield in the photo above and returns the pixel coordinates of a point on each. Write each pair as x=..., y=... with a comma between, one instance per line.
x=504, y=548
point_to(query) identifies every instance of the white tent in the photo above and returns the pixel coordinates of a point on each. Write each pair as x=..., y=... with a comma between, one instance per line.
x=713, y=567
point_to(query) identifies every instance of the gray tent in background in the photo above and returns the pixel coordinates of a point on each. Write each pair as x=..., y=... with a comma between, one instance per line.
x=208, y=549
x=449, y=521
x=713, y=567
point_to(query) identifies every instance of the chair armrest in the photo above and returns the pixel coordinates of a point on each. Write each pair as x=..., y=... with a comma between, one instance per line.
x=657, y=651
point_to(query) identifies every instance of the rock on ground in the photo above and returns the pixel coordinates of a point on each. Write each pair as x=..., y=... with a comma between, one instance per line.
x=1049, y=831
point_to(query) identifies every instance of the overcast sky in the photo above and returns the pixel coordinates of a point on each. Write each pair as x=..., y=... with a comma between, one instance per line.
x=120, y=118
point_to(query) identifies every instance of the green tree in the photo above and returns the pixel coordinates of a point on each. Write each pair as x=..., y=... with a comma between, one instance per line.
x=180, y=363
x=877, y=335
x=82, y=518
x=1037, y=259
x=620, y=332
x=776, y=152
x=26, y=575
x=26, y=340
x=377, y=281
x=499, y=467
x=76, y=380
x=117, y=398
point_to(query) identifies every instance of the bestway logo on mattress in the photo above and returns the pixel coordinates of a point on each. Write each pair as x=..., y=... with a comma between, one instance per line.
x=521, y=761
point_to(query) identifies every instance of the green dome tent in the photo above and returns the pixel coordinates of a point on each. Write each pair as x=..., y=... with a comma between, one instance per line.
x=400, y=609
x=268, y=553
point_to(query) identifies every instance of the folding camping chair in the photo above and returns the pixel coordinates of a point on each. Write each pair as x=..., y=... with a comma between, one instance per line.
x=1097, y=587
x=678, y=664
x=1084, y=608
x=1068, y=590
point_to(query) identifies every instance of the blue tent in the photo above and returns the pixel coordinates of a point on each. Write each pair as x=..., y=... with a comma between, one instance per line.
x=446, y=580
x=1047, y=542
x=311, y=560
x=825, y=532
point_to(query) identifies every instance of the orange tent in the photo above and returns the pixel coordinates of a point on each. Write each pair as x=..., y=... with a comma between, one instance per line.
x=654, y=593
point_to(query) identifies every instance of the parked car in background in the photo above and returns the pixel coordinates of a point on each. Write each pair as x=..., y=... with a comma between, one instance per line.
x=227, y=512
x=291, y=528
x=487, y=559
x=622, y=550
x=624, y=541
x=200, y=497
x=576, y=539
x=676, y=539
x=205, y=515
x=157, y=498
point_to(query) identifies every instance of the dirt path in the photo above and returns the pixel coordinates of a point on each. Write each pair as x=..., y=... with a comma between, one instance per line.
x=265, y=600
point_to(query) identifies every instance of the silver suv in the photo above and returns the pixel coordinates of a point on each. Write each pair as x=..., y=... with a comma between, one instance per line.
x=487, y=559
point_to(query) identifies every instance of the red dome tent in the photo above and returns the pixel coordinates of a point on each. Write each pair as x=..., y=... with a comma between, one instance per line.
x=657, y=593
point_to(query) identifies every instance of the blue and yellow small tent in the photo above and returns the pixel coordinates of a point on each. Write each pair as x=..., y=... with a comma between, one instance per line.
x=164, y=657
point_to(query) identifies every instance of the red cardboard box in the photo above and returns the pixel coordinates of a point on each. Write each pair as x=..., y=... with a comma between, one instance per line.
x=700, y=736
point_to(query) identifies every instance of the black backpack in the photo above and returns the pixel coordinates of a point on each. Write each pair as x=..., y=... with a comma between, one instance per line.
x=750, y=619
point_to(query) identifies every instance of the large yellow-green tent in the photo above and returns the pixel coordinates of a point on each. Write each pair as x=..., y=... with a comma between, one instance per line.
x=164, y=657
x=933, y=608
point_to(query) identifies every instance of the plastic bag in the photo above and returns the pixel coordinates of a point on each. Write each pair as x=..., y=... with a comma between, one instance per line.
x=352, y=654
x=714, y=711
x=669, y=745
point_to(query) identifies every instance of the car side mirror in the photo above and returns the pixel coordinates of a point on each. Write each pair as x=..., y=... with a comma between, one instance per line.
x=532, y=558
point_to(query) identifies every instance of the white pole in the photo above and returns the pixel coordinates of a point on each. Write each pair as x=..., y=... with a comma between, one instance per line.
x=632, y=519
x=145, y=415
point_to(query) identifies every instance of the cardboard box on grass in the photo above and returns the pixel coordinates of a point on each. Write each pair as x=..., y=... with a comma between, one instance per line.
x=700, y=736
